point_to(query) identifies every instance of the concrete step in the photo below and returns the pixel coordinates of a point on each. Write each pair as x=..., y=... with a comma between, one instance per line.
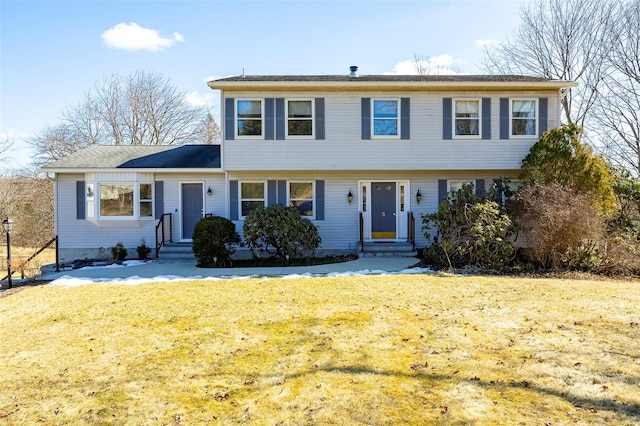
x=388, y=249
x=176, y=251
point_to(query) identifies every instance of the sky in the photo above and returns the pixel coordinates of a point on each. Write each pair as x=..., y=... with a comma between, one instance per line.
x=53, y=52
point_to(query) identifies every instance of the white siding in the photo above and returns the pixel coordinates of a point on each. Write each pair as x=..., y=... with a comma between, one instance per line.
x=343, y=149
x=82, y=238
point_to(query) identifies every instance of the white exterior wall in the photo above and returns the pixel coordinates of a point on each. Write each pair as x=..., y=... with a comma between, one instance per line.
x=340, y=230
x=343, y=148
x=81, y=238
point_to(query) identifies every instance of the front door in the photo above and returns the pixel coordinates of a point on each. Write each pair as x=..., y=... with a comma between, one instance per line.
x=383, y=210
x=192, y=208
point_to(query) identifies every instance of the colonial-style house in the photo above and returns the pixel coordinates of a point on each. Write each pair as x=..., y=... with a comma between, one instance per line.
x=362, y=157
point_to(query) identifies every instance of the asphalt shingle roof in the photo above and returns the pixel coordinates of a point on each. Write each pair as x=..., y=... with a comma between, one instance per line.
x=141, y=157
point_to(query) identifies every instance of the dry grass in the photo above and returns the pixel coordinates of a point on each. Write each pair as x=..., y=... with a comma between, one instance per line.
x=19, y=255
x=359, y=350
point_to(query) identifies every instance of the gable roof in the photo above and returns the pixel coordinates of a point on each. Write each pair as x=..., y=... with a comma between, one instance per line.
x=390, y=82
x=109, y=157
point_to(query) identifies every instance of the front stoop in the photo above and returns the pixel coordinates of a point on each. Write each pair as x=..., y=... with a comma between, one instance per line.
x=176, y=251
x=388, y=249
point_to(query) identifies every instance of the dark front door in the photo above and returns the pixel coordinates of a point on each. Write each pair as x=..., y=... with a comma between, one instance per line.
x=192, y=210
x=383, y=210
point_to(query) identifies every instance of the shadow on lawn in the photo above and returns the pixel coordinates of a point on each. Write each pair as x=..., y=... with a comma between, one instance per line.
x=589, y=404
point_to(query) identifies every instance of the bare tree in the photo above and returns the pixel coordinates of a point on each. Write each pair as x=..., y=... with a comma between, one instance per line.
x=139, y=109
x=209, y=132
x=618, y=104
x=561, y=39
x=6, y=143
x=428, y=65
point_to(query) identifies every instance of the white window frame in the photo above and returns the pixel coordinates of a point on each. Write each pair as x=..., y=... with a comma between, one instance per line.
x=93, y=203
x=458, y=183
x=237, y=118
x=312, y=118
x=397, y=119
x=454, y=118
x=241, y=199
x=511, y=118
x=313, y=195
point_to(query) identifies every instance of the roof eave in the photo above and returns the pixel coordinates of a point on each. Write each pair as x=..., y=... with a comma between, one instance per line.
x=72, y=170
x=391, y=85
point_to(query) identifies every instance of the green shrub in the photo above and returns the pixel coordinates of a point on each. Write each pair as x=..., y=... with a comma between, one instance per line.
x=470, y=230
x=118, y=252
x=143, y=250
x=280, y=231
x=214, y=241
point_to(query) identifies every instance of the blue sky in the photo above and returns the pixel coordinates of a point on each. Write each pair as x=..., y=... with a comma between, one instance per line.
x=52, y=52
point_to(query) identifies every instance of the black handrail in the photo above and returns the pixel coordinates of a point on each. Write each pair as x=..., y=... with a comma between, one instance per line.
x=161, y=225
x=361, y=231
x=411, y=229
x=22, y=267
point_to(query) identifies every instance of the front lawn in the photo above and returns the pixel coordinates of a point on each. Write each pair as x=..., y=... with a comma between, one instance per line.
x=403, y=349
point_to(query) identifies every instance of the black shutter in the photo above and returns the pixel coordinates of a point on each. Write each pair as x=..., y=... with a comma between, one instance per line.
x=80, y=200
x=282, y=192
x=158, y=198
x=442, y=190
x=280, y=119
x=319, y=207
x=366, y=118
x=486, y=118
x=479, y=187
x=319, y=118
x=405, y=114
x=233, y=200
x=504, y=118
x=229, y=118
x=272, y=196
x=543, y=110
x=447, y=118
x=269, y=119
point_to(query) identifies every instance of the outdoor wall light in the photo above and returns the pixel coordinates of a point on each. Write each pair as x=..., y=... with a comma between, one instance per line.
x=418, y=196
x=349, y=197
x=209, y=192
x=7, y=224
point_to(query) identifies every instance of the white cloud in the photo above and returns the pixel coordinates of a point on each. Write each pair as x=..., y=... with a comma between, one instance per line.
x=486, y=42
x=197, y=99
x=432, y=65
x=134, y=37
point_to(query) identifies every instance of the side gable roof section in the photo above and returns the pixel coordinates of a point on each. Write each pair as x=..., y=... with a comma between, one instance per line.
x=390, y=82
x=145, y=157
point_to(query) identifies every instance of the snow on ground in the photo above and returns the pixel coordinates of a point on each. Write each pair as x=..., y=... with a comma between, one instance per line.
x=67, y=281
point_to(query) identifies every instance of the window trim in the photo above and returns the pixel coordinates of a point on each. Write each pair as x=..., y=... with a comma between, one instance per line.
x=241, y=199
x=454, y=118
x=461, y=182
x=313, y=196
x=397, y=118
x=312, y=118
x=536, y=117
x=93, y=203
x=236, y=118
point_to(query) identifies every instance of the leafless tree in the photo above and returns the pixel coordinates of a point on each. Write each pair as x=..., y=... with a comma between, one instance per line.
x=6, y=143
x=561, y=39
x=139, y=109
x=618, y=103
x=209, y=132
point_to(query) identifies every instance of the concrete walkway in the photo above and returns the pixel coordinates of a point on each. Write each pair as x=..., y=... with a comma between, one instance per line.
x=188, y=269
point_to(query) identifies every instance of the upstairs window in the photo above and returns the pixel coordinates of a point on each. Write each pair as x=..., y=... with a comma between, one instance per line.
x=251, y=197
x=301, y=197
x=523, y=117
x=385, y=113
x=467, y=118
x=249, y=118
x=299, y=118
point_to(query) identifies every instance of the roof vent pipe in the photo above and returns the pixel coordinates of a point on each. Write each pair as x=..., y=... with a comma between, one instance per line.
x=354, y=71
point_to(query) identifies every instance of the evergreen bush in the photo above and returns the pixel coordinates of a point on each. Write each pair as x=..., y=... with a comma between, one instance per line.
x=214, y=241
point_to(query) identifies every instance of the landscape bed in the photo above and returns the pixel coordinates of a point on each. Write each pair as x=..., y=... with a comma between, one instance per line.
x=397, y=349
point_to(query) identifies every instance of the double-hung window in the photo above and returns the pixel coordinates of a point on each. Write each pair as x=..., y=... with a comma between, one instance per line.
x=467, y=118
x=300, y=118
x=301, y=197
x=252, y=196
x=249, y=118
x=523, y=117
x=385, y=118
x=456, y=185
